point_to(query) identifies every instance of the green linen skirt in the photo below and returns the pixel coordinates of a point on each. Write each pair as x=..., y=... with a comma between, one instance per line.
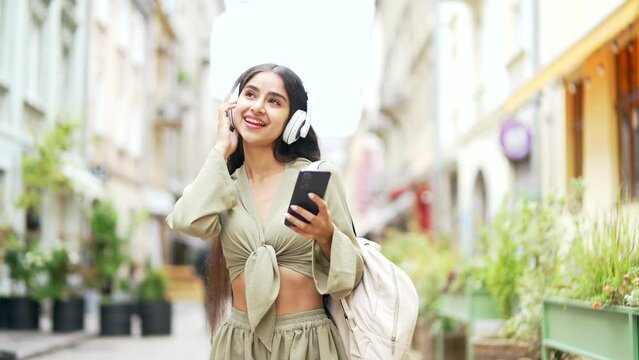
x=308, y=335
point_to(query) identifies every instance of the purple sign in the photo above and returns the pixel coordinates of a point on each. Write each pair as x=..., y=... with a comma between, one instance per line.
x=515, y=139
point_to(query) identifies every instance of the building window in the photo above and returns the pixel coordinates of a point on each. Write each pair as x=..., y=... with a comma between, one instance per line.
x=627, y=59
x=480, y=206
x=65, y=84
x=2, y=195
x=575, y=130
x=124, y=25
x=4, y=105
x=34, y=62
x=4, y=60
x=138, y=49
x=99, y=115
x=103, y=12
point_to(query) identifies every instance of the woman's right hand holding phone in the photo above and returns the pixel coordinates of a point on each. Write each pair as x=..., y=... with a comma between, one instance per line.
x=227, y=140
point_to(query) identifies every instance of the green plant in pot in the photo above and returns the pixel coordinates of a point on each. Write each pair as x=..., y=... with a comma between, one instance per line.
x=108, y=249
x=154, y=308
x=62, y=266
x=598, y=290
x=26, y=266
x=109, y=255
x=6, y=233
x=541, y=233
x=523, y=246
x=427, y=264
x=604, y=263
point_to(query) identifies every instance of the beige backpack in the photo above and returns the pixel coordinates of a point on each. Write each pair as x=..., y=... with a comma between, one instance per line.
x=377, y=320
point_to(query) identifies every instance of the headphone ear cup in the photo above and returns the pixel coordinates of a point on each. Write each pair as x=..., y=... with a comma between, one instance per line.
x=294, y=126
x=307, y=121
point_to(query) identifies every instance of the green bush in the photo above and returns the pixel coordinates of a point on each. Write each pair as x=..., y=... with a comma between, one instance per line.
x=426, y=263
x=518, y=260
x=41, y=170
x=26, y=266
x=153, y=287
x=59, y=264
x=108, y=248
x=603, y=266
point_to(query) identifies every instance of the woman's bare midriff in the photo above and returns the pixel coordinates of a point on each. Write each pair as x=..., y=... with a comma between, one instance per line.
x=297, y=293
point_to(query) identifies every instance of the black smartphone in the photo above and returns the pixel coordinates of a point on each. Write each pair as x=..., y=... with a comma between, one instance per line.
x=308, y=181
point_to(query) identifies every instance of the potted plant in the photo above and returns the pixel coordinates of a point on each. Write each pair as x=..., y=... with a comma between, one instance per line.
x=6, y=235
x=25, y=265
x=485, y=286
x=534, y=232
x=595, y=312
x=154, y=309
x=109, y=255
x=61, y=265
x=427, y=264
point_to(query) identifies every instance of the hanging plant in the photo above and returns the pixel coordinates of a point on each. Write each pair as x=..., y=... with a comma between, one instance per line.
x=41, y=170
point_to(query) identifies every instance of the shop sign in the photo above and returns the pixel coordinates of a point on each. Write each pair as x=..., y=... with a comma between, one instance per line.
x=515, y=139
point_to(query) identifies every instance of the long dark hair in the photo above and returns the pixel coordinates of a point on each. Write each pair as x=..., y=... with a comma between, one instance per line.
x=308, y=147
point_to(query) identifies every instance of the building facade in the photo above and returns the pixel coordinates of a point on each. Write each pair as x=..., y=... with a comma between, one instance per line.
x=391, y=154
x=132, y=75
x=522, y=99
x=42, y=82
x=150, y=113
x=552, y=99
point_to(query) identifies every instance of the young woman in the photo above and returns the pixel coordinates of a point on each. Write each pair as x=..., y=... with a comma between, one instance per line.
x=240, y=198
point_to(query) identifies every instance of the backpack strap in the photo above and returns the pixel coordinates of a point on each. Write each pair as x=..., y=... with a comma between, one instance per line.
x=315, y=165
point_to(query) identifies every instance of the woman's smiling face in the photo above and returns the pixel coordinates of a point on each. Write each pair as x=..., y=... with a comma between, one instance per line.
x=262, y=109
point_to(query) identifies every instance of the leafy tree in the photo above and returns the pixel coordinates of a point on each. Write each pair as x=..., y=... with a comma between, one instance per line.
x=41, y=170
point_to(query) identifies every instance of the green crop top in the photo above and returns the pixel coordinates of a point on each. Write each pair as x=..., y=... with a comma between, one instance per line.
x=216, y=203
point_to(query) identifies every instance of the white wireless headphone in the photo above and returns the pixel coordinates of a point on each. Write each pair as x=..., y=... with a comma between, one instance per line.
x=298, y=125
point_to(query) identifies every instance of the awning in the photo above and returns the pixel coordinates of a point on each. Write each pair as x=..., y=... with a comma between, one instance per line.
x=379, y=217
x=560, y=67
x=158, y=201
x=83, y=181
x=577, y=54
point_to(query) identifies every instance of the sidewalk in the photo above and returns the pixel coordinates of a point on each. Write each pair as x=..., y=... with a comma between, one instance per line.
x=189, y=337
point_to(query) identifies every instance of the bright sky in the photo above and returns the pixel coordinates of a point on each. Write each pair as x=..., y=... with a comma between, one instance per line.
x=326, y=42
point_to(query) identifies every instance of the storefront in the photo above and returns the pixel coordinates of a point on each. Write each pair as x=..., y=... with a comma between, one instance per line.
x=602, y=120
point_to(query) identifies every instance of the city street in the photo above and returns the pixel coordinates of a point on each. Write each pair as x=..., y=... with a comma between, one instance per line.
x=189, y=340
x=489, y=147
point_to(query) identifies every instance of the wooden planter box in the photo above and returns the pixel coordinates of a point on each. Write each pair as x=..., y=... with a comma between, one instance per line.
x=425, y=342
x=491, y=348
x=467, y=307
x=573, y=326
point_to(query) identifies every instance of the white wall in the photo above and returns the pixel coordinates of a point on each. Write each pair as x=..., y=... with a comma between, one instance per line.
x=559, y=32
x=481, y=154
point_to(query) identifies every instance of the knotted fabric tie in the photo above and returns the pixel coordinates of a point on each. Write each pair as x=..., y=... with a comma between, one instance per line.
x=262, y=278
